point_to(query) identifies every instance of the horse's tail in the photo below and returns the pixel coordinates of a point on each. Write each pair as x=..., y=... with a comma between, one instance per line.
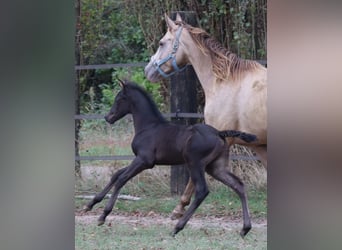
x=234, y=133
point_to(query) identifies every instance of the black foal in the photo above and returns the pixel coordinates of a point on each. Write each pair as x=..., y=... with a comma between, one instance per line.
x=159, y=142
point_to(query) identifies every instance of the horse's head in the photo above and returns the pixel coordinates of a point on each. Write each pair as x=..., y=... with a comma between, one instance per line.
x=170, y=56
x=121, y=106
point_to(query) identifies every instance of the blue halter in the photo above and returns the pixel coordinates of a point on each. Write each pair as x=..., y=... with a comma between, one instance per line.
x=171, y=56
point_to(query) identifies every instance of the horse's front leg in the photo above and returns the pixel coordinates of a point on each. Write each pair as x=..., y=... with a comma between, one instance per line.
x=137, y=166
x=99, y=197
x=184, y=201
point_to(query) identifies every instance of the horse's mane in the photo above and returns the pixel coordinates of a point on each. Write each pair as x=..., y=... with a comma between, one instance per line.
x=225, y=64
x=149, y=99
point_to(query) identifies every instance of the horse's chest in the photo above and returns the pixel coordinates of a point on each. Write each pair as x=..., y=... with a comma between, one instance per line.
x=220, y=112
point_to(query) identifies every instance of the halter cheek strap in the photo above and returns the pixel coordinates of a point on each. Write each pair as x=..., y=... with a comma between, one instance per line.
x=171, y=56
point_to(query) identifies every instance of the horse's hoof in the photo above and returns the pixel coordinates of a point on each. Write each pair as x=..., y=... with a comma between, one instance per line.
x=244, y=231
x=176, y=215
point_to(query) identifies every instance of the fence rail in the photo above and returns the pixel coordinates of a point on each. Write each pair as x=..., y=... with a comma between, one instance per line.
x=131, y=157
x=128, y=65
x=166, y=115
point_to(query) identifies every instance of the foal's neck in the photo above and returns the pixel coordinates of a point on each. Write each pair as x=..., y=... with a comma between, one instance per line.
x=145, y=116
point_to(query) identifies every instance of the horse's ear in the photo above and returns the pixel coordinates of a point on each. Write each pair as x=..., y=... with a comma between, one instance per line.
x=178, y=17
x=170, y=24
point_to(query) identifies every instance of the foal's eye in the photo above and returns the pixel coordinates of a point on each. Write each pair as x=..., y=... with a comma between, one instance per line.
x=161, y=44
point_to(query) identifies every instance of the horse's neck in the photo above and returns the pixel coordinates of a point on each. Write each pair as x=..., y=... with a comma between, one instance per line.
x=202, y=66
x=219, y=96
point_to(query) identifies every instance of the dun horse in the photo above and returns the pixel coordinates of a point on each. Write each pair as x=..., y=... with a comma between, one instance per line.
x=159, y=142
x=235, y=89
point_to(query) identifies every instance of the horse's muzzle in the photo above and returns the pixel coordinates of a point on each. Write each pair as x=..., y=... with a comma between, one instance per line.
x=152, y=73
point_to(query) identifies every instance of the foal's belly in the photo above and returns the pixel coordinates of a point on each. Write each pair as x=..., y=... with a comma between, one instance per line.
x=170, y=141
x=168, y=156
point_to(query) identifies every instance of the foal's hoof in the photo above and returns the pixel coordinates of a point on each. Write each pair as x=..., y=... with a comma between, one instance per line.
x=244, y=231
x=86, y=208
x=100, y=222
x=173, y=234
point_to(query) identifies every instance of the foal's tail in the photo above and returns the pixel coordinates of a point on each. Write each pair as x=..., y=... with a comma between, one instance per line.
x=234, y=133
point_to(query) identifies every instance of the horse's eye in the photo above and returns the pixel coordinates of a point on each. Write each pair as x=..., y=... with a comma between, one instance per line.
x=161, y=44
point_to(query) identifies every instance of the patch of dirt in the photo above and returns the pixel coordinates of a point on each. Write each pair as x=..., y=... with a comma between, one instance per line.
x=152, y=218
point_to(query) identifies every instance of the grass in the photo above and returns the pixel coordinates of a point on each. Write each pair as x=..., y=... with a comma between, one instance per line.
x=123, y=236
x=220, y=202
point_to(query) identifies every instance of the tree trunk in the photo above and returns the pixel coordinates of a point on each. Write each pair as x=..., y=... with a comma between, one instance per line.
x=183, y=99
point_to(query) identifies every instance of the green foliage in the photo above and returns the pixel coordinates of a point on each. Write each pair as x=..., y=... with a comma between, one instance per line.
x=122, y=31
x=109, y=35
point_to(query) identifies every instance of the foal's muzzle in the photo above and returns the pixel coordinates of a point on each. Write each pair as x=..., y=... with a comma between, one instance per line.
x=109, y=118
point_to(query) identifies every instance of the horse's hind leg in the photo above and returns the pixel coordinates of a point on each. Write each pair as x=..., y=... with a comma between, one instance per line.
x=184, y=201
x=99, y=197
x=201, y=191
x=222, y=174
x=261, y=151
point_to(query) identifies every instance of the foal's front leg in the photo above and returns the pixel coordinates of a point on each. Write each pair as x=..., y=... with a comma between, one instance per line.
x=137, y=166
x=99, y=197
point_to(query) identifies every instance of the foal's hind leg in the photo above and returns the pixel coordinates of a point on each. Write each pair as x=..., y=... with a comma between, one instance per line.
x=185, y=199
x=99, y=197
x=219, y=172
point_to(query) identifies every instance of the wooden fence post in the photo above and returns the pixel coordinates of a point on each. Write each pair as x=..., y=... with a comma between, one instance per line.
x=183, y=99
x=77, y=87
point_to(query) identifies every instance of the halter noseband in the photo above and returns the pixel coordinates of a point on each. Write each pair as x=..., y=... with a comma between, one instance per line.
x=171, y=56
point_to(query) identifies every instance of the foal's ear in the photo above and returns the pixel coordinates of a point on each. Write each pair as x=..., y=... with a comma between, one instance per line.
x=122, y=83
x=170, y=24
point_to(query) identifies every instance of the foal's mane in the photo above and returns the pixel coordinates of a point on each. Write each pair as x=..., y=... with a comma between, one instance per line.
x=225, y=64
x=153, y=107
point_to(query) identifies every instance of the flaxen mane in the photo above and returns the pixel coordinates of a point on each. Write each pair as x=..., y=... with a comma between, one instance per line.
x=226, y=65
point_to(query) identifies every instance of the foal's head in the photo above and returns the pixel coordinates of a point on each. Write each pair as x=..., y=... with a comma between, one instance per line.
x=121, y=106
x=133, y=99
